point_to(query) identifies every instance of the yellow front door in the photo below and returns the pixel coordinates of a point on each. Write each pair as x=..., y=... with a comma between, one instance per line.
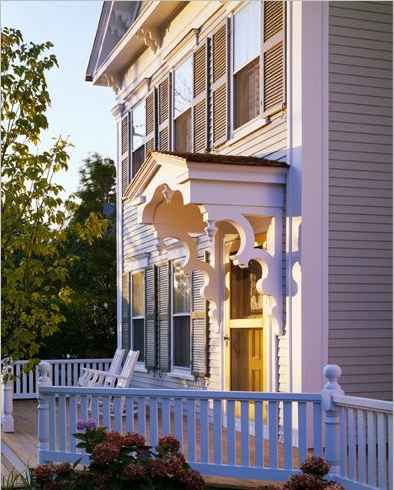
x=244, y=340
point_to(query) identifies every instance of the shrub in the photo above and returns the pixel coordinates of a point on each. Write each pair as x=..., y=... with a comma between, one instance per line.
x=121, y=461
x=315, y=466
x=313, y=470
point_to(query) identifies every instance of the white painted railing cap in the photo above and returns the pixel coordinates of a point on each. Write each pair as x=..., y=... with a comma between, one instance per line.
x=44, y=368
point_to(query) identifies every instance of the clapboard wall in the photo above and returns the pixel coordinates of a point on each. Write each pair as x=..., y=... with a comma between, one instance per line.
x=360, y=195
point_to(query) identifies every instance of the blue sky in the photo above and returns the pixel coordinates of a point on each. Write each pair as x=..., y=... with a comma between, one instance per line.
x=79, y=110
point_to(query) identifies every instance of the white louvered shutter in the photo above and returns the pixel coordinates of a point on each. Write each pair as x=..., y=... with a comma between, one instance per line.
x=126, y=310
x=124, y=150
x=200, y=327
x=150, y=319
x=150, y=114
x=163, y=317
x=200, y=98
x=164, y=111
x=220, y=89
x=274, y=59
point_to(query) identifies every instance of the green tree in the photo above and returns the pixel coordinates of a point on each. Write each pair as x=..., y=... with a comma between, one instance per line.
x=35, y=218
x=89, y=330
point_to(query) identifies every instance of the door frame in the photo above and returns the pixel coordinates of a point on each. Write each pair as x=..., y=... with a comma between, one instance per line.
x=226, y=323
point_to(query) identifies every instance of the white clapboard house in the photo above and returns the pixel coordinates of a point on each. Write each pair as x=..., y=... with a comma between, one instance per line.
x=254, y=191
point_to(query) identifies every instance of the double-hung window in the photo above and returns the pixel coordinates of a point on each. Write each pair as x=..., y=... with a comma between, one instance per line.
x=181, y=339
x=246, y=63
x=138, y=136
x=183, y=97
x=138, y=313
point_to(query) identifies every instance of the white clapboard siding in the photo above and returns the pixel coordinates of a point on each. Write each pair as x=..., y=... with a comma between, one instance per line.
x=360, y=195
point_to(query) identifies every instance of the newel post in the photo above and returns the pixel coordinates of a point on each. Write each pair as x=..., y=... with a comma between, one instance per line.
x=332, y=372
x=7, y=417
x=44, y=369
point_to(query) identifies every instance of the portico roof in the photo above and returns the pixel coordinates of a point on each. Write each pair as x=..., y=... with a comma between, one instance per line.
x=184, y=194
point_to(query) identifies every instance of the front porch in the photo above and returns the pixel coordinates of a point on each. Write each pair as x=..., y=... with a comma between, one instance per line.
x=19, y=449
x=252, y=436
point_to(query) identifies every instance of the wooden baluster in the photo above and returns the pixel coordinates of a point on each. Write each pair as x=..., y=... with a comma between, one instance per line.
x=371, y=429
x=129, y=414
x=24, y=383
x=165, y=416
x=73, y=422
x=141, y=416
x=75, y=373
x=273, y=433
x=351, y=430
x=382, y=455
x=317, y=426
x=94, y=405
x=288, y=435
x=259, y=434
x=191, y=431
x=204, y=431
x=178, y=417
x=31, y=383
x=18, y=380
x=118, y=413
x=361, y=460
x=302, y=432
x=245, y=433
x=106, y=412
x=231, y=443
x=154, y=421
x=69, y=376
x=343, y=442
x=217, y=431
x=62, y=423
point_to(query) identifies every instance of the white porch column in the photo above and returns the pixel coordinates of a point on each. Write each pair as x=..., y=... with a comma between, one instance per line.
x=308, y=116
x=7, y=417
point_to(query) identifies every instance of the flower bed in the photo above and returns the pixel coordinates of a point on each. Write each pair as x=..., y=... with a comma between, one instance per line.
x=120, y=461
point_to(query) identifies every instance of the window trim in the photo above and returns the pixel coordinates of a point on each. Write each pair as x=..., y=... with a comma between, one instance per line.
x=233, y=130
x=172, y=70
x=179, y=371
x=140, y=363
x=141, y=102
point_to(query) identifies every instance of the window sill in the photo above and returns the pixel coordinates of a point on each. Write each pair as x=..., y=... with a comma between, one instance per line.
x=140, y=368
x=180, y=373
x=248, y=128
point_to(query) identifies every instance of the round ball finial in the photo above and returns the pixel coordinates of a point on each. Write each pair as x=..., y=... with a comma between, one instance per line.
x=332, y=372
x=44, y=368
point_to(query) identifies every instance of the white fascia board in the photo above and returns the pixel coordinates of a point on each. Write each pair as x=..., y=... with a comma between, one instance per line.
x=131, y=43
x=239, y=173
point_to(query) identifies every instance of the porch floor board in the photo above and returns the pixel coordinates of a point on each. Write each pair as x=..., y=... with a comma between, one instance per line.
x=23, y=443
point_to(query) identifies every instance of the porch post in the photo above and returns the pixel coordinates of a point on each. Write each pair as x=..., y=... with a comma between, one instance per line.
x=7, y=417
x=44, y=369
x=332, y=372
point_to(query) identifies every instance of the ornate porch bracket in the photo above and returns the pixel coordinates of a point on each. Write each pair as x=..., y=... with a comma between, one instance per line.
x=210, y=289
x=270, y=260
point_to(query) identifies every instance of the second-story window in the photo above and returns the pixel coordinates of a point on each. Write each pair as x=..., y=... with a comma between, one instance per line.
x=138, y=136
x=183, y=96
x=246, y=63
x=138, y=313
x=181, y=318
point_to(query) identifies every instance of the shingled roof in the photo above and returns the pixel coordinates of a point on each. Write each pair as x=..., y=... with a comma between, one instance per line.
x=225, y=159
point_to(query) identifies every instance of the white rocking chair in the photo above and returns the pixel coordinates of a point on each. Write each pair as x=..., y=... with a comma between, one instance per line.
x=90, y=375
x=122, y=380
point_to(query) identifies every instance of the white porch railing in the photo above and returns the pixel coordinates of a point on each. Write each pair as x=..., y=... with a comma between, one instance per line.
x=221, y=433
x=238, y=434
x=366, y=442
x=64, y=372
